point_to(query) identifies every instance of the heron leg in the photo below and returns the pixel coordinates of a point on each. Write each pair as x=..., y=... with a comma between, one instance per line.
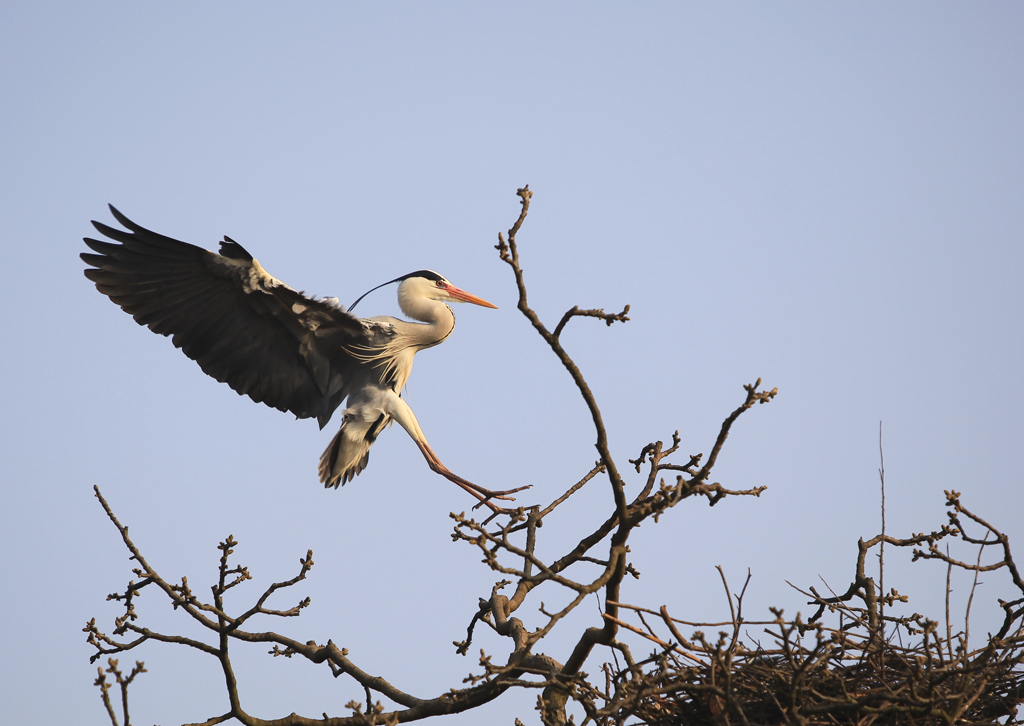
x=483, y=495
x=402, y=413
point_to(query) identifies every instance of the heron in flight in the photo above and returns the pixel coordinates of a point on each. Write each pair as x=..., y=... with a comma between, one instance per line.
x=278, y=346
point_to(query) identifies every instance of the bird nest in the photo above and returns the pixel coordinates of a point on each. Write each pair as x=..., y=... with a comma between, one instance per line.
x=836, y=678
x=867, y=666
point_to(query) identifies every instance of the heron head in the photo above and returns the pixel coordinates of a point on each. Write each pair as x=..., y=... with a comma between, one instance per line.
x=424, y=285
x=429, y=285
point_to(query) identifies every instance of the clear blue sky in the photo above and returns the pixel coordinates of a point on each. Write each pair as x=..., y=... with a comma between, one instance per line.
x=829, y=196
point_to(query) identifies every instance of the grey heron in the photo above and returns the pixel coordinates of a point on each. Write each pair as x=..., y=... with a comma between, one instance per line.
x=281, y=347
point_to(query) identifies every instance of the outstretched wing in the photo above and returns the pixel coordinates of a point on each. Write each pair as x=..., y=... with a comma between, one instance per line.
x=240, y=324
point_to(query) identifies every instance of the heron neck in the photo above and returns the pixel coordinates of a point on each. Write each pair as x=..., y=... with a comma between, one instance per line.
x=438, y=322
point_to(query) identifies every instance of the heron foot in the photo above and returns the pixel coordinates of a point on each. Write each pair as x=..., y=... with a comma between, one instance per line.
x=483, y=496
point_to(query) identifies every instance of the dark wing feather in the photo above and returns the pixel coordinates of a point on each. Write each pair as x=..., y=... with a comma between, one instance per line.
x=241, y=325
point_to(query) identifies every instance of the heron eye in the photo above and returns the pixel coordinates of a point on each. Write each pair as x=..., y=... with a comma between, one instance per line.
x=440, y=283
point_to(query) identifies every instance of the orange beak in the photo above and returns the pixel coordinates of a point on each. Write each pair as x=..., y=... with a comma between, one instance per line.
x=463, y=296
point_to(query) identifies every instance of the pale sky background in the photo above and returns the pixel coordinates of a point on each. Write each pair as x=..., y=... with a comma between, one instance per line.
x=828, y=196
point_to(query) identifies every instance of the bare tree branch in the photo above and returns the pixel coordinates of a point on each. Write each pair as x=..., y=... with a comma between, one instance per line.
x=822, y=670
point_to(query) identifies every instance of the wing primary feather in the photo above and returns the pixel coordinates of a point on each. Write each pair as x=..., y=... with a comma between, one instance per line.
x=230, y=248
